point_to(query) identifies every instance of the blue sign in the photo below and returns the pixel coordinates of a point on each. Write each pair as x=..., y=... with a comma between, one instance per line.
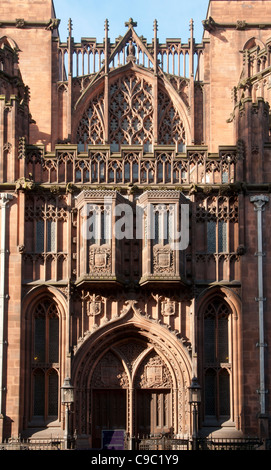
x=113, y=440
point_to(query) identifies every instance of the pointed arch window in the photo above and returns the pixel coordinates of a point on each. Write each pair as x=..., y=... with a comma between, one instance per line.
x=217, y=360
x=45, y=360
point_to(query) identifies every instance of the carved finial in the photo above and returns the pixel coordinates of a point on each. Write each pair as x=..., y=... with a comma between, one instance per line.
x=191, y=24
x=106, y=25
x=155, y=25
x=131, y=23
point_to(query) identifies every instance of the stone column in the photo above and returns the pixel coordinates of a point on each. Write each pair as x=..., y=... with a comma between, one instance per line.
x=4, y=199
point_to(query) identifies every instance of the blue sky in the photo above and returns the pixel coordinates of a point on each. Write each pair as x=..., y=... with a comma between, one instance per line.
x=173, y=16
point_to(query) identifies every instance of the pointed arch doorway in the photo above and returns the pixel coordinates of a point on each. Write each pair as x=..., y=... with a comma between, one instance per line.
x=132, y=379
x=143, y=399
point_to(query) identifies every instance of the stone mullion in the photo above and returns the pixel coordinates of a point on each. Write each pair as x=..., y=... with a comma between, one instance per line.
x=228, y=239
x=192, y=84
x=155, y=89
x=45, y=242
x=70, y=85
x=155, y=110
x=217, y=239
x=69, y=237
x=106, y=88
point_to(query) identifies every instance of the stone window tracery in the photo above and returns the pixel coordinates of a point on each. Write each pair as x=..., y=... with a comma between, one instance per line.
x=171, y=128
x=131, y=117
x=91, y=127
x=219, y=214
x=131, y=113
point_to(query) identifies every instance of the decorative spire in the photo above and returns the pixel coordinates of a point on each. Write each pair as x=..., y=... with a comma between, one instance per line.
x=106, y=25
x=70, y=27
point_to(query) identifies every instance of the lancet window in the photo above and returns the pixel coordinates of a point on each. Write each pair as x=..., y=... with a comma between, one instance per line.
x=99, y=224
x=164, y=224
x=217, y=360
x=45, y=360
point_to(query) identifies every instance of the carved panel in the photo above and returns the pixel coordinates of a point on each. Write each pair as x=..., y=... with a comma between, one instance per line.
x=100, y=259
x=168, y=308
x=109, y=373
x=163, y=260
x=153, y=373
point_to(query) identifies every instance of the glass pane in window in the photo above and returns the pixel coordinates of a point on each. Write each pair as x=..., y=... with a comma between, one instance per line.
x=39, y=354
x=39, y=236
x=210, y=393
x=209, y=340
x=53, y=339
x=225, y=176
x=51, y=236
x=211, y=236
x=172, y=229
x=53, y=394
x=224, y=394
x=222, y=236
x=39, y=396
x=156, y=228
x=223, y=341
x=104, y=233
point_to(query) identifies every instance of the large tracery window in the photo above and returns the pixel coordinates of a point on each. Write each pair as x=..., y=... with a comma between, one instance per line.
x=131, y=120
x=217, y=361
x=45, y=360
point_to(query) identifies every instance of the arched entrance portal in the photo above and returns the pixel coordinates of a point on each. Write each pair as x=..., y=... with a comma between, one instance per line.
x=131, y=381
x=131, y=378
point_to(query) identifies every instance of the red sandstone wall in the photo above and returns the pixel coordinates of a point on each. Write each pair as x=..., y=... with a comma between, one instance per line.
x=35, y=63
x=225, y=64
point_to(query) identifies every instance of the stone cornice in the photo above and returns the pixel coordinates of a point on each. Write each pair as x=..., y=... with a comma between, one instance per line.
x=211, y=25
x=20, y=23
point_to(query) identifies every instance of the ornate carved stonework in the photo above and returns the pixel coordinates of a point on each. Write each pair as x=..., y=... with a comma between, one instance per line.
x=100, y=259
x=153, y=373
x=94, y=307
x=163, y=260
x=168, y=308
x=109, y=373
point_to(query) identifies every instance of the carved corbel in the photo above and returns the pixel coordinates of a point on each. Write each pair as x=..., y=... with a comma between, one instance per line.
x=209, y=24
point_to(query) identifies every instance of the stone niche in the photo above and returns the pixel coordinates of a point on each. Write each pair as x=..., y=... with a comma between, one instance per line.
x=165, y=236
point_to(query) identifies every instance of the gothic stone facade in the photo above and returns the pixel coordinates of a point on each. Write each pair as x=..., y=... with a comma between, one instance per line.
x=177, y=133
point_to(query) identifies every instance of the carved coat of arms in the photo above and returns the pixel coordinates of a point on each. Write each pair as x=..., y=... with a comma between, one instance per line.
x=94, y=308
